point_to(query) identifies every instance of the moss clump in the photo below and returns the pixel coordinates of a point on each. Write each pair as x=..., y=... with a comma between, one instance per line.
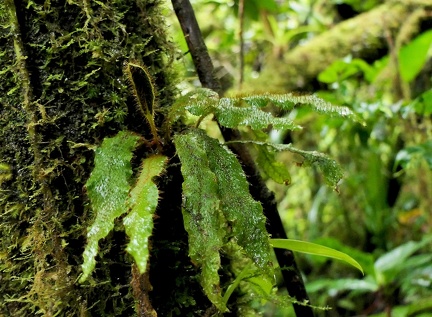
x=62, y=87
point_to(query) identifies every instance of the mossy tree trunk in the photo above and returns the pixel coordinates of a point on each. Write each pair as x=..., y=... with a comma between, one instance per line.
x=62, y=90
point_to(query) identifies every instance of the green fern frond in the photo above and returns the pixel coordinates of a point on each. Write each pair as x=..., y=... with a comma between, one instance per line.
x=202, y=215
x=142, y=201
x=108, y=188
x=289, y=101
x=331, y=170
x=246, y=110
x=202, y=98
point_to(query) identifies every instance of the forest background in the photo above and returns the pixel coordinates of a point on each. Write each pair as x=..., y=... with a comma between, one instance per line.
x=374, y=57
x=66, y=109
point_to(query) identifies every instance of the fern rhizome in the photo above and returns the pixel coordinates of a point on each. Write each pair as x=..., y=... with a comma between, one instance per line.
x=219, y=213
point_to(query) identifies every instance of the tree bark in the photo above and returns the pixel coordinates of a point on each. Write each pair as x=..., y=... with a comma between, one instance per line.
x=62, y=91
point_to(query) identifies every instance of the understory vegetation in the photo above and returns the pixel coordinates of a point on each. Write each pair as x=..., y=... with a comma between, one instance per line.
x=277, y=163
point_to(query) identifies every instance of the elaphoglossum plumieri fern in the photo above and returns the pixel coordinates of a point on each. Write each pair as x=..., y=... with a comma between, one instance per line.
x=219, y=213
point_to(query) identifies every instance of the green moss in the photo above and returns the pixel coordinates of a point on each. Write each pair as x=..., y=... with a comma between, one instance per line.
x=62, y=86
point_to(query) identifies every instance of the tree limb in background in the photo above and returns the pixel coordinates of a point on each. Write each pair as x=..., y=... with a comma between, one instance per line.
x=364, y=36
x=205, y=70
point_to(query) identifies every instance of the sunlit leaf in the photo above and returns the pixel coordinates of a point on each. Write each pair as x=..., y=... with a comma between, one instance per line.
x=423, y=104
x=331, y=170
x=107, y=188
x=413, y=56
x=315, y=249
x=277, y=171
x=365, y=259
x=399, y=254
x=142, y=201
x=290, y=100
x=410, y=153
x=201, y=100
x=341, y=285
x=341, y=70
x=202, y=216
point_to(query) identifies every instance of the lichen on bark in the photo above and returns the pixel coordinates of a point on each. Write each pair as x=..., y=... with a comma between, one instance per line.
x=62, y=90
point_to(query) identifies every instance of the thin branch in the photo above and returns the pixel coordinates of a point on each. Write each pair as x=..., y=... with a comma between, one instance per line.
x=196, y=45
x=204, y=66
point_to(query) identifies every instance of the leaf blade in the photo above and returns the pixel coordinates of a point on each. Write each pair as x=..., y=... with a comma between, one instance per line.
x=243, y=213
x=107, y=188
x=314, y=249
x=142, y=201
x=201, y=213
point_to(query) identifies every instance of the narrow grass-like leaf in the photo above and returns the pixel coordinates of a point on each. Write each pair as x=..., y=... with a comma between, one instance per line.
x=315, y=249
x=142, y=87
x=243, y=213
x=331, y=170
x=202, y=217
x=107, y=188
x=142, y=201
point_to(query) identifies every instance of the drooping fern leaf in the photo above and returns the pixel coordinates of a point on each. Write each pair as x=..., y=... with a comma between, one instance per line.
x=242, y=214
x=246, y=110
x=331, y=170
x=266, y=160
x=142, y=201
x=107, y=188
x=277, y=171
x=202, y=215
x=289, y=100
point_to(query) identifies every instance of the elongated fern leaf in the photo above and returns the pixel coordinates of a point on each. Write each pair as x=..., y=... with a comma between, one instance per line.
x=201, y=212
x=289, y=100
x=243, y=214
x=246, y=110
x=142, y=201
x=107, y=188
x=331, y=170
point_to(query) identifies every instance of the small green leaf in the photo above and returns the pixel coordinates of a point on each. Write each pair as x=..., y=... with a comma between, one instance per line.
x=107, y=188
x=331, y=170
x=413, y=56
x=315, y=249
x=202, y=216
x=5, y=172
x=201, y=100
x=142, y=201
x=289, y=100
x=277, y=171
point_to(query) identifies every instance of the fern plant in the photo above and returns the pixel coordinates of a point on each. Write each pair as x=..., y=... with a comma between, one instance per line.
x=219, y=213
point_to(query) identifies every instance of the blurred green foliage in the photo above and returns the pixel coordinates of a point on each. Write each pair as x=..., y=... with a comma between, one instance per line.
x=383, y=204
